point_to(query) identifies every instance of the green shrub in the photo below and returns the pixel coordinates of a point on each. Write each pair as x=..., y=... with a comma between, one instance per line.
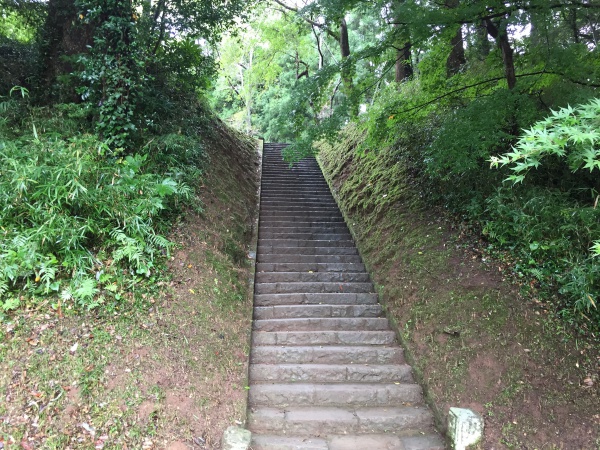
x=66, y=212
x=549, y=233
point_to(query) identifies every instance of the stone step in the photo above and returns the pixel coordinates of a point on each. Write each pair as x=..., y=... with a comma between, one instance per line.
x=315, y=299
x=298, y=207
x=312, y=267
x=298, y=202
x=334, y=277
x=337, y=338
x=299, y=194
x=323, y=324
x=319, y=421
x=302, y=229
x=294, y=188
x=307, y=259
x=305, y=197
x=312, y=287
x=293, y=177
x=331, y=373
x=308, y=251
x=306, y=214
x=302, y=223
x=326, y=355
x=305, y=236
x=306, y=311
x=332, y=394
x=348, y=442
x=268, y=243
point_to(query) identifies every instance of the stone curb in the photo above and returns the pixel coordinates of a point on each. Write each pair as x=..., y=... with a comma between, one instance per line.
x=236, y=438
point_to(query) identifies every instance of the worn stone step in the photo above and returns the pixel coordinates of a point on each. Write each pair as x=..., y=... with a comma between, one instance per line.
x=335, y=394
x=331, y=373
x=298, y=202
x=298, y=311
x=312, y=267
x=304, y=197
x=334, y=277
x=297, y=218
x=323, y=323
x=319, y=421
x=348, y=442
x=298, y=207
x=323, y=337
x=304, y=227
x=308, y=251
x=327, y=232
x=302, y=223
x=288, y=180
x=315, y=299
x=311, y=287
x=307, y=259
x=295, y=188
x=311, y=237
x=299, y=194
x=333, y=236
x=278, y=442
x=326, y=355
x=306, y=214
x=268, y=243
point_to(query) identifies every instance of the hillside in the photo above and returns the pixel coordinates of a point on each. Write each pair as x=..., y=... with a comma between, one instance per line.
x=474, y=339
x=166, y=367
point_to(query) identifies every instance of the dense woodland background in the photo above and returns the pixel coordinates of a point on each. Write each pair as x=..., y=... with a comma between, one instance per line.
x=106, y=102
x=486, y=107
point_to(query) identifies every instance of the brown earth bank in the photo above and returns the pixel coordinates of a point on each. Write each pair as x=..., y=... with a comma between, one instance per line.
x=170, y=372
x=474, y=341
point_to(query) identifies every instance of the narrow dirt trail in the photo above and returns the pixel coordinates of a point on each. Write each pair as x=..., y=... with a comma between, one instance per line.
x=326, y=371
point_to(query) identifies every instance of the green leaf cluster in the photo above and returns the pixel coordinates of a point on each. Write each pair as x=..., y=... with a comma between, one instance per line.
x=569, y=133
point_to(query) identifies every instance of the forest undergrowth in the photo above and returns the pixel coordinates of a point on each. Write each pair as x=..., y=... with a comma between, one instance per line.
x=477, y=333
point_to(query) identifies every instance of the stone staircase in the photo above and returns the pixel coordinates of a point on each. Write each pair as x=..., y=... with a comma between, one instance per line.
x=326, y=372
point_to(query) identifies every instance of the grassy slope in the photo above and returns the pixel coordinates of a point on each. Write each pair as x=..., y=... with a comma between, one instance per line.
x=473, y=341
x=169, y=369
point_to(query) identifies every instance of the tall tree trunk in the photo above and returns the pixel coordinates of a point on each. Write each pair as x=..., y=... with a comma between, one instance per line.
x=63, y=35
x=501, y=36
x=404, y=68
x=480, y=44
x=456, y=58
x=347, y=69
x=345, y=53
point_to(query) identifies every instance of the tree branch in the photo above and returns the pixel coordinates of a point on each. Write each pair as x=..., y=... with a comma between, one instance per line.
x=322, y=26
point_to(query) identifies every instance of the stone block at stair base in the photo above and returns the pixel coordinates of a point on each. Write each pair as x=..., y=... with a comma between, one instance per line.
x=465, y=428
x=236, y=438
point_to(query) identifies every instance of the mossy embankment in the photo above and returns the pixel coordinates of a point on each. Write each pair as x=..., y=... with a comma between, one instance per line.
x=474, y=341
x=166, y=368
